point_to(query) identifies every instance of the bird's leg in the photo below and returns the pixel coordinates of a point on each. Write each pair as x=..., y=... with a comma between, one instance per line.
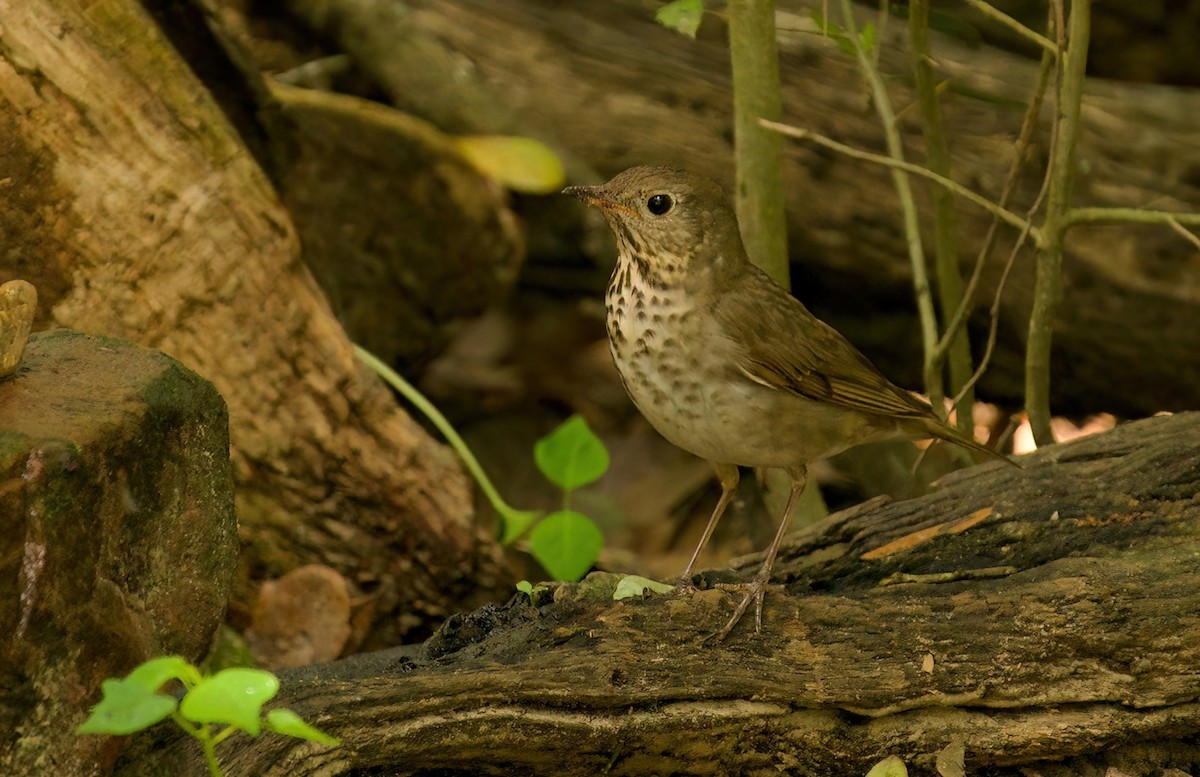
x=756, y=589
x=728, y=475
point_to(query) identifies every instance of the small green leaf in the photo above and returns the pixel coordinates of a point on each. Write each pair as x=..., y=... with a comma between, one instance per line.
x=566, y=544
x=866, y=37
x=834, y=32
x=288, y=723
x=571, y=456
x=635, y=585
x=155, y=673
x=683, y=16
x=125, y=708
x=889, y=767
x=233, y=696
x=521, y=164
x=530, y=590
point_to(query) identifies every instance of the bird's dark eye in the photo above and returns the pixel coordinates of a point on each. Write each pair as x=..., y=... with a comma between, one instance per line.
x=659, y=204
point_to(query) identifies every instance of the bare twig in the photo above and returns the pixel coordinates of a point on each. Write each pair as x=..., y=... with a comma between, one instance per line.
x=908, y=207
x=1136, y=215
x=1024, y=138
x=949, y=275
x=1186, y=233
x=1007, y=216
x=987, y=10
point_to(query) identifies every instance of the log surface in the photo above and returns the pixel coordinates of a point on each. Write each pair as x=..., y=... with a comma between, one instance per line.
x=1052, y=615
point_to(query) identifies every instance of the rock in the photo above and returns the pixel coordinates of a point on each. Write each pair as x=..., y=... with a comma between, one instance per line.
x=300, y=619
x=18, y=303
x=118, y=537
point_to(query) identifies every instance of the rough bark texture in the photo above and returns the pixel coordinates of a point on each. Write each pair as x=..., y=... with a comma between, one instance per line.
x=135, y=210
x=118, y=540
x=606, y=83
x=1048, y=622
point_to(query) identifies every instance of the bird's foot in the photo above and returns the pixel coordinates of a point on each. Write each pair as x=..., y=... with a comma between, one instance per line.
x=684, y=585
x=753, y=591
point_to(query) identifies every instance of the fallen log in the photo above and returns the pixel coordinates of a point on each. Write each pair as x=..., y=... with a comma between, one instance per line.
x=1042, y=618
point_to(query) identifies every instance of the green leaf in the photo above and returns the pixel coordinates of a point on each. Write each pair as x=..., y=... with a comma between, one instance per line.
x=683, y=16
x=288, y=723
x=233, y=696
x=125, y=708
x=571, y=456
x=834, y=32
x=635, y=585
x=866, y=37
x=566, y=544
x=156, y=672
x=521, y=164
x=530, y=590
x=889, y=767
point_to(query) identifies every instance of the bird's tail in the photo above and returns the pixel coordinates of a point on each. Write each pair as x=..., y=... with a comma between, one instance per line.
x=948, y=433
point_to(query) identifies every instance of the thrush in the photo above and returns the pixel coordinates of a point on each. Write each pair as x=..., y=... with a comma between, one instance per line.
x=725, y=363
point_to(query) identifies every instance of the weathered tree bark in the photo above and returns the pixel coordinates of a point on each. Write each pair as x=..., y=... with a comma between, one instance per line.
x=1045, y=618
x=135, y=209
x=606, y=83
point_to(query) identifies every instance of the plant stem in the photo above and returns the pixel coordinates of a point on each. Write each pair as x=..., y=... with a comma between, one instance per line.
x=949, y=275
x=210, y=757
x=1047, y=291
x=995, y=15
x=754, y=56
x=418, y=400
x=1028, y=127
x=1136, y=215
x=912, y=229
x=1007, y=216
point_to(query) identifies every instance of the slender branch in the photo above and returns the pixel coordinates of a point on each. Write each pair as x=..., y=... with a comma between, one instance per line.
x=949, y=274
x=908, y=207
x=1007, y=216
x=1054, y=21
x=996, y=15
x=754, y=56
x=993, y=324
x=1048, y=278
x=904, y=191
x=1186, y=233
x=1024, y=138
x=1136, y=215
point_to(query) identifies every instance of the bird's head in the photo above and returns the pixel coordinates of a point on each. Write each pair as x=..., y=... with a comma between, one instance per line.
x=668, y=221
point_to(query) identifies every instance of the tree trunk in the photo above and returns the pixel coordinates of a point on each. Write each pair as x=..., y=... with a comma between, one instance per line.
x=1044, y=619
x=610, y=87
x=135, y=209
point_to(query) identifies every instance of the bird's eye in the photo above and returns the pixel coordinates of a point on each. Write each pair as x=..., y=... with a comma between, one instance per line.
x=659, y=204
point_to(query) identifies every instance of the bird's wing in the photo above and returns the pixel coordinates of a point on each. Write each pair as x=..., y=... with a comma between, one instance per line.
x=781, y=345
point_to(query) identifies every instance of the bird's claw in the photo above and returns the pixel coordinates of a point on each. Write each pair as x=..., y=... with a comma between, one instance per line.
x=753, y=591
x=684, y=585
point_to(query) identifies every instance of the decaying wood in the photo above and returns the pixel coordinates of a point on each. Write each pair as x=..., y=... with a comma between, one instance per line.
x=1037, y=616
x=608, y=85
x=136, y=211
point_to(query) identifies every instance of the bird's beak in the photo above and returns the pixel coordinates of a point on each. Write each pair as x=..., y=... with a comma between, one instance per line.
x=598, y=197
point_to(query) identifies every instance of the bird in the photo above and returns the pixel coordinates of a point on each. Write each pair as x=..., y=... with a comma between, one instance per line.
x=726, y=364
